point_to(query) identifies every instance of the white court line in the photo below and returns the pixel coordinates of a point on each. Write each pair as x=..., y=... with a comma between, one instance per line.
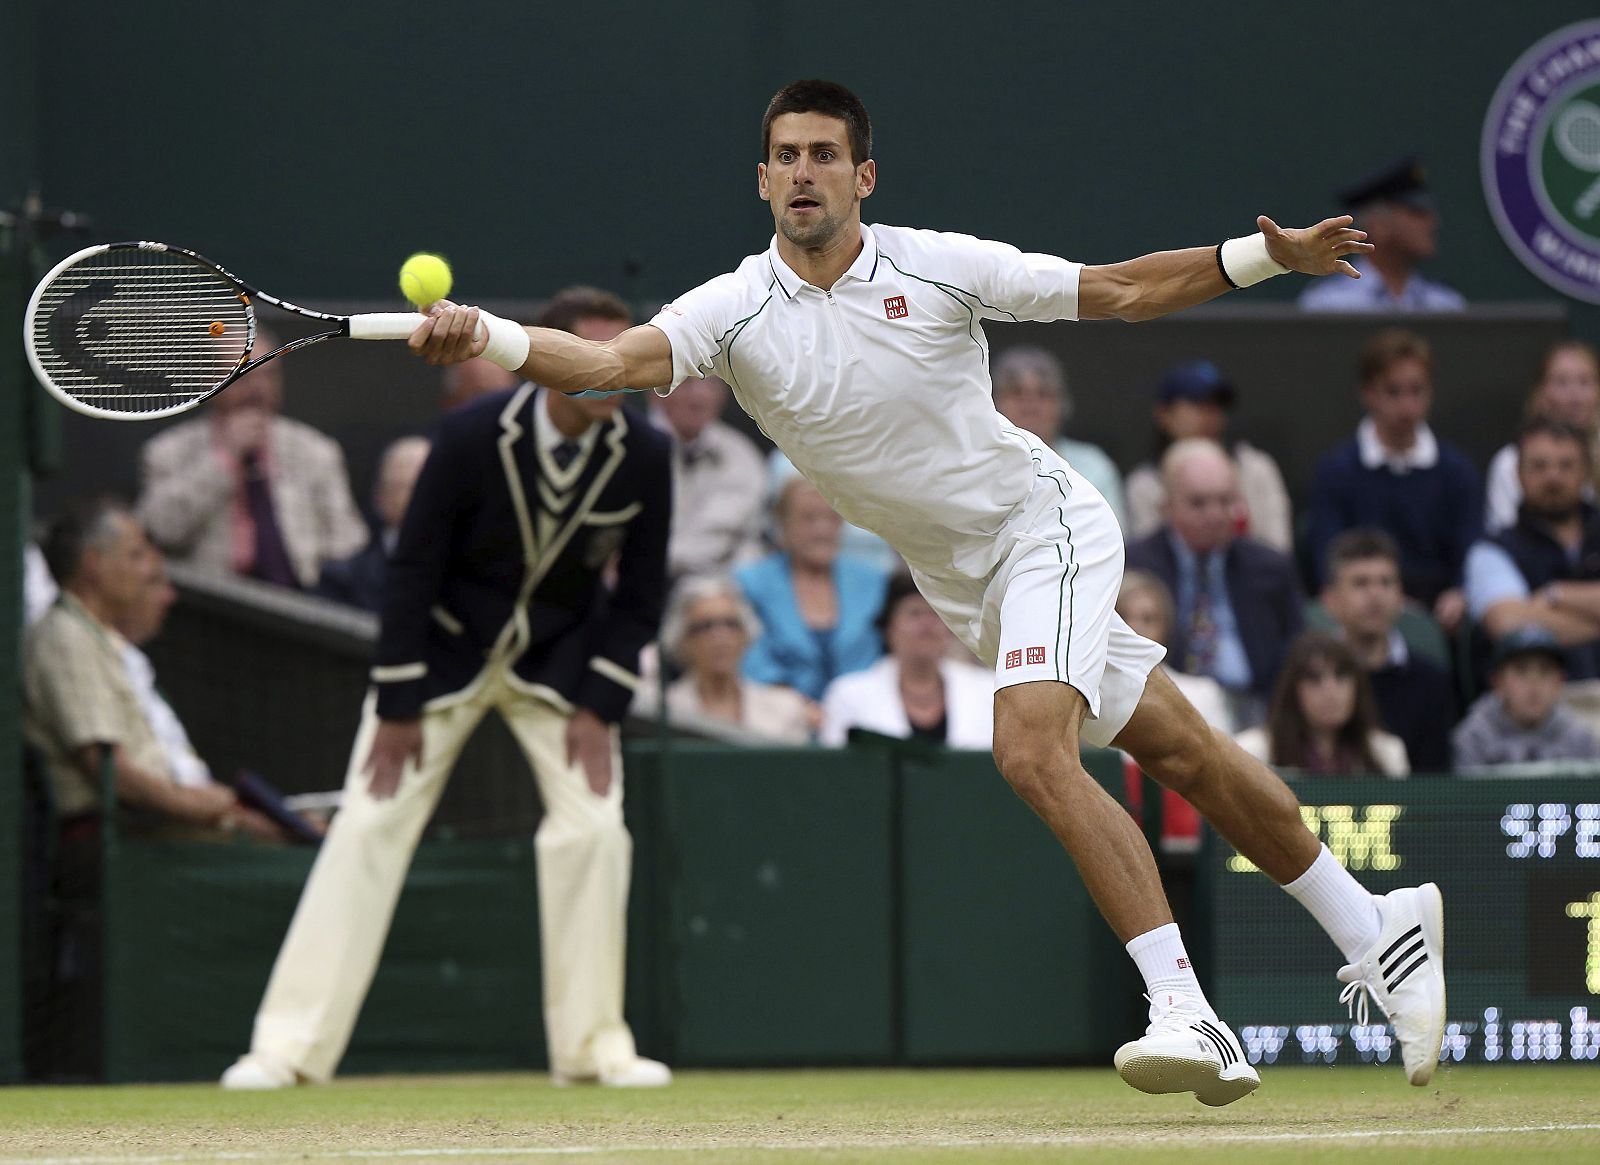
x=1069, y=1140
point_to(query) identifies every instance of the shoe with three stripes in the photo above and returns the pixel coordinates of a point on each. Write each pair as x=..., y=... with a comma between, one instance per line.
x=1187, y=1049
x=1403, y=973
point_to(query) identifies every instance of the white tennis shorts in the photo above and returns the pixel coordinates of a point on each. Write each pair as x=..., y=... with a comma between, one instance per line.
x=1048, y=610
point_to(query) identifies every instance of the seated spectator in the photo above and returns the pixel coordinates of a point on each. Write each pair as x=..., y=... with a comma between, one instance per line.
x=1145, y=604
x=706, y=631
x=1396, y=475
x=358, y=580
x=1238, y=600
x=1396, y=209
x=718, y=483
x=915, y=691
x=1521, y=719
x=1414, y=695
x=854, y=542
x=1545, y=570
x=245, y=491
x=1568, y=390
x=817, y=608
x=79, y=697
x=1323, y=721
x=471, y=379
x=1194, y=401
x=1030, y=391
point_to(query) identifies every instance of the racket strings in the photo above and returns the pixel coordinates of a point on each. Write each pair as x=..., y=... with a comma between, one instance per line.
x=137, y=331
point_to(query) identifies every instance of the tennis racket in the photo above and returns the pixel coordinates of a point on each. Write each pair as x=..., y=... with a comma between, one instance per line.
x=136, y=331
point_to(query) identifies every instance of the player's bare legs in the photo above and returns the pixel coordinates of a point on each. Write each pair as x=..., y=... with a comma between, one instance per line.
x=1040, y=762
x=1187, y=1048
x=1246, y=801
x=1395, y=944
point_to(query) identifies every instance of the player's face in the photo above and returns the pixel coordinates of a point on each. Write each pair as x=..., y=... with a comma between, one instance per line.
x=1528, y=687
x=1365, y=596
x=1552, y=472
x=1031, y=405
x=814, y=186
x=1398, y=398
x=1327, y=698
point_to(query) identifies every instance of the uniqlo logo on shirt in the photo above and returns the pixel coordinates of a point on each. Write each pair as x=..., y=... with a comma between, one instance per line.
x=1035, y=655
x=1183, y=964
x=1013, y=659
x=895, y=307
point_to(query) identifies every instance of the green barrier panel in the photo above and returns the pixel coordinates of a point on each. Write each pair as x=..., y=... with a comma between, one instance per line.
x=1006, y=958
x=1519, y=864
x=778, y=911
x=192, y=931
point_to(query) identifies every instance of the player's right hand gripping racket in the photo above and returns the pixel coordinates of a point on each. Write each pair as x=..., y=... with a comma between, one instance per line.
x=136, y=331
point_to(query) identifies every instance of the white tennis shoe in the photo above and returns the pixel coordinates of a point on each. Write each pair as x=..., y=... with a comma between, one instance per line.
x=253, y=1073
x=639, y=1072
x=1403, y=972
x=1187, y=1049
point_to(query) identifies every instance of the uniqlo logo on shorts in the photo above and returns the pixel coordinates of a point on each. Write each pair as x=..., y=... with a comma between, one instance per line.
x=1035, y=655
x=895, y=307
x=1183, y=964
x=1013, y=659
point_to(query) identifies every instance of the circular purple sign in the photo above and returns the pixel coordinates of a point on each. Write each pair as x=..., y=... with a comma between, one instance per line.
x=1541, y=159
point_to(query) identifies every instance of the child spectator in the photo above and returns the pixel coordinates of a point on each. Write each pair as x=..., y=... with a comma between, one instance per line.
x=1521, y=720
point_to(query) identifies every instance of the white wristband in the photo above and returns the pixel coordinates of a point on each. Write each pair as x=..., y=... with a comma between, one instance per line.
x=1245, y=262
x=508, y=342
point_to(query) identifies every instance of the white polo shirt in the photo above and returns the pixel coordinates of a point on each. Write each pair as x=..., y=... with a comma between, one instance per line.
x=879, y=390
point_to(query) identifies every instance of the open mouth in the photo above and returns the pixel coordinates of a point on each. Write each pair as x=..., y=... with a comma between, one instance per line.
x=804, y=203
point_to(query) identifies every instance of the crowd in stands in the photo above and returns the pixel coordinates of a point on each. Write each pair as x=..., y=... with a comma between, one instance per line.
x=1419, y=614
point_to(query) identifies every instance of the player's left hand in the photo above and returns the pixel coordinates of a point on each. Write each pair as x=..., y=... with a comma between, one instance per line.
x=1316, y=250
x=589, y=747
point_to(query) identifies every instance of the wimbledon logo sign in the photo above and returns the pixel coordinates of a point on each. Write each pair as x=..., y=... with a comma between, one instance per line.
x=1541, y=159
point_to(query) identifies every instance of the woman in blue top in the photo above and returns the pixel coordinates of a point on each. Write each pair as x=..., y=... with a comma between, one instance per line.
x=817, y=609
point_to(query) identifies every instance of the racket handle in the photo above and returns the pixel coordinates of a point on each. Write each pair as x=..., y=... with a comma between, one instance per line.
x=508, y=341
x=388, y=325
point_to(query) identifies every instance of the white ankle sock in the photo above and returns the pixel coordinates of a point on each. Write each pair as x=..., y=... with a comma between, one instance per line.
x=1165, y=966
x=1339, y=904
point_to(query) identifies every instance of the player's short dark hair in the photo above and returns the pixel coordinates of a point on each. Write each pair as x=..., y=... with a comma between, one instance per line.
x=1556, y=431
x=829, y=99
x=81, y=524
x=1390, y=346
x=1361, y=544
x=571, y=304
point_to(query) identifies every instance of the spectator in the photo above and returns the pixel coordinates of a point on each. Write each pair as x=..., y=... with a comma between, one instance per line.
x=915, y=691
x=817, y=609
x=1545, y=570
x=471, y=379
x=359, y=579
x=1145, y=604
x=1238, y=600
x=1194, y=401
x=1396, y=209
x=1414, y=696
x=1521, y=720
x=718, y=482
x=1030, y=391
x=247, y=492
x=854, y=542
x=706, y=631
x=79, y=697
x=1323, y=720
x=1568, y=390
x=1396, y=475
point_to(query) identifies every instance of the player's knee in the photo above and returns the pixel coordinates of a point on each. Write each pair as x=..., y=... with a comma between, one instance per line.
x=1036, y=767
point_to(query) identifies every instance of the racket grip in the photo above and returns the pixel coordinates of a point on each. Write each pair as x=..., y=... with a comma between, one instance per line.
x=388, y=325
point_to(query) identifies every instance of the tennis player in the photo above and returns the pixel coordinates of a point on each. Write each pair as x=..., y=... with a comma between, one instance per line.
x=859, y=351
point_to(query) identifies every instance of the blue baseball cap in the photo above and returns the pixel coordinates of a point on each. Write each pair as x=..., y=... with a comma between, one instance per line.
x=1196, y=380
x=1529, y=639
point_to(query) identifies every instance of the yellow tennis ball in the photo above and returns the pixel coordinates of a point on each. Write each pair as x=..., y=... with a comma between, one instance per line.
x=425, y=278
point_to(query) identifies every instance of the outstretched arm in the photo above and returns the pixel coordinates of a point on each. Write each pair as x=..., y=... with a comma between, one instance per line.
x=1169, y=281
x=641, y=357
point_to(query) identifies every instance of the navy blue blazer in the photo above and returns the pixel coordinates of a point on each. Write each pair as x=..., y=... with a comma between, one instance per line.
x=499, y=564
x=1262, y=587
x=358, y=580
